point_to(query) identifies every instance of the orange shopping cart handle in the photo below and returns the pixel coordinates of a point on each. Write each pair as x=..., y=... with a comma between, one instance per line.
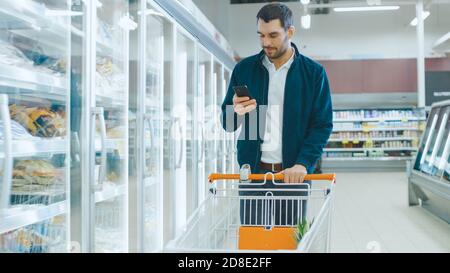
x=278, y=176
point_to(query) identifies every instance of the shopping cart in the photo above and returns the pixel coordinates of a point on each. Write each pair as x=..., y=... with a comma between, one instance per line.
x=240, y=216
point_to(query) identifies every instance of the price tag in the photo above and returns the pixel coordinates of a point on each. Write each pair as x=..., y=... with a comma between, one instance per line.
x=404, y=119
x=344, y=141
x=355, y=141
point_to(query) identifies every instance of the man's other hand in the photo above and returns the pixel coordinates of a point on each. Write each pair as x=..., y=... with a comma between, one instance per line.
x=295, y=174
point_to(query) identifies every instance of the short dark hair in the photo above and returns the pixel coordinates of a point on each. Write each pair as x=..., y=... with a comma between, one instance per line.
x=275, y=11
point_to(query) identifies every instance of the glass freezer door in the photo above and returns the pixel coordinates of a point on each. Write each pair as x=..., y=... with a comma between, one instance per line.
x=229, y=137
x=109, y=33
x=424, y=154
x=155, y=52
x=185, y=164
x=206, y=86
x=219, y=90
x=34, y=120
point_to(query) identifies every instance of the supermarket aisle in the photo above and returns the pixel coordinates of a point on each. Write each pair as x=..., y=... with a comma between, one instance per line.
x=371, y=211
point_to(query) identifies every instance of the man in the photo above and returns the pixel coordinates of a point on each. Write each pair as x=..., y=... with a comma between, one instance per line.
x=290, y=99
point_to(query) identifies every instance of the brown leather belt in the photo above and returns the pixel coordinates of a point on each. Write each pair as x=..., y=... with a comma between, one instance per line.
x=269, y=167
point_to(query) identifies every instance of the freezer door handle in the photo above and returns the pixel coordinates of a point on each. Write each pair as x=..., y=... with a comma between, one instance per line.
x=7, y=150
x=201, y=141
x=100, y=112
x=180, y=131
x=148, y=120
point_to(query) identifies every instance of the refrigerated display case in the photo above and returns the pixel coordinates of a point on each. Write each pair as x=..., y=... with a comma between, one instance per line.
x=429, y=180
x=35, y=38
x=65, y=87
x=190, y=95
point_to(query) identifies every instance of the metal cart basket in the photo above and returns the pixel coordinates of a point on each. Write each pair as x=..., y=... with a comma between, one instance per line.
x=242, y=215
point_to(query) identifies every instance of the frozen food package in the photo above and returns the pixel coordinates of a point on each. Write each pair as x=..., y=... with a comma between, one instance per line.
x=39, y=121
x=17, y=130
x=10, y=55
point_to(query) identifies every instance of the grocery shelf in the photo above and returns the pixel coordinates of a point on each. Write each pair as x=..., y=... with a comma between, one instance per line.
x=150, y=181
x=393, y=127
x=109, y=191
x=48, y=86
x=111, y=143
x=378, y=129
x=371, y=139
x=405, y=119
x=107, y=50
x=113, y=100
x=32, y=147
x=384, y=158
x=369, y=149
x=103, y=47
x=25, y=215
x=27, y=18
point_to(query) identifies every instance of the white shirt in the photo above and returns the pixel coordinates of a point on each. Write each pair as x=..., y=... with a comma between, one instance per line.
x=271, y=147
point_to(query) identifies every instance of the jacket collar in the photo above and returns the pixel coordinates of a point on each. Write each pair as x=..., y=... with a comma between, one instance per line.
x=262, y=53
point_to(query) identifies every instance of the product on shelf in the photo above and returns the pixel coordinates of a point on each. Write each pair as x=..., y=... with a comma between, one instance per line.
x=116, y=132
x=34, y=175
x=26, y=53
x=110, y=80
x=104, y=31
x=24, y=241
x=42, y=237
x=10, y=55
x=373, y=114
x=17, y=130
x=40, y=121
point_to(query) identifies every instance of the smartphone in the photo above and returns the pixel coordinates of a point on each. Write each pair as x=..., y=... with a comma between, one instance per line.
x=242, y=91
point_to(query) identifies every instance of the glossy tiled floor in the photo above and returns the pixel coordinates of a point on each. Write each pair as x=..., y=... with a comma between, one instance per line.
x=372, y=215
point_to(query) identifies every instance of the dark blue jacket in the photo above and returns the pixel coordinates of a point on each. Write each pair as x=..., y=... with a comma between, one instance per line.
x=307, y=111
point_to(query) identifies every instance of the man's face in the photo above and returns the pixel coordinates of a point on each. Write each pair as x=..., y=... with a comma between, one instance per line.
x=275, y=40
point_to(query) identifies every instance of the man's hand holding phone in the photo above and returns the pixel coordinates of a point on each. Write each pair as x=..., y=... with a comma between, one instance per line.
x=243, y=105
x=242, y=101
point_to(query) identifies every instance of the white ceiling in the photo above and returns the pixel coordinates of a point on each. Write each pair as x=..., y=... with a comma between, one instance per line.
x=377, y=34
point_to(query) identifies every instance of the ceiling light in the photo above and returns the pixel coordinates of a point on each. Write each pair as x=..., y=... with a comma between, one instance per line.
x=425, y=14
x=373, y=8
x=305, y=2
x=306, y=21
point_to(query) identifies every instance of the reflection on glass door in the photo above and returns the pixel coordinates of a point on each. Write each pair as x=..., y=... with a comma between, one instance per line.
x=206, y=86
x=156, y=27
x=34, y=140
x=220, y=133
x=229, y=137
x=169, y=143
x=428, y=141
x=185, y=185
x=109, y=126
x=440, y=163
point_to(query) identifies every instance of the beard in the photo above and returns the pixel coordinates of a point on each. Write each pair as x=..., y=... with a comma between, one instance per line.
x=275, y=53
